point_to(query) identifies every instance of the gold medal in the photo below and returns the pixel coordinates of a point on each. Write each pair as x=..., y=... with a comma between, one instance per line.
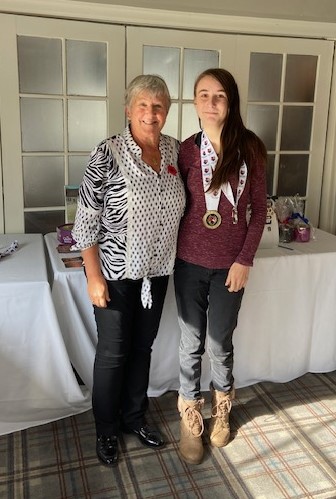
x=212, y=219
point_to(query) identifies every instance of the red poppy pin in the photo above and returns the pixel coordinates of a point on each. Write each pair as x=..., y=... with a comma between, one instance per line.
x=172, y=170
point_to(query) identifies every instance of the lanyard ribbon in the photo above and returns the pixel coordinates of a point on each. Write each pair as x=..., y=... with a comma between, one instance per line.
x=209, y=160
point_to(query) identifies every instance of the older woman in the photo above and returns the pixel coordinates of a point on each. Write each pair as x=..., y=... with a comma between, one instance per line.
x=130, y=204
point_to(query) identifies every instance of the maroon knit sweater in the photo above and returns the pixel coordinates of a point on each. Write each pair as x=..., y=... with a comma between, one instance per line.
x=220, y=248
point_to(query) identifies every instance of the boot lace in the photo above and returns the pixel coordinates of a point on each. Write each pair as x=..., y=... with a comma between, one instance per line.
x=221, y=411
x=195, y=421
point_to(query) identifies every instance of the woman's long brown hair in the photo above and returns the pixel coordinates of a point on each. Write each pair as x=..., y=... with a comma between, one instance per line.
x=238, y=144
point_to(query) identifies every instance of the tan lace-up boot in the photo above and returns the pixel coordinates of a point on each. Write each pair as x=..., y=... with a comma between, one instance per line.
x=191, y=430
x=219, y=427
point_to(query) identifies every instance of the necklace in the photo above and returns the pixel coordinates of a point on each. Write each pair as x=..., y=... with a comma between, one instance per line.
x=152, y=159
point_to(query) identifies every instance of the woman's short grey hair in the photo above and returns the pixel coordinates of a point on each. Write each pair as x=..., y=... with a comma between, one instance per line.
x=153, y=84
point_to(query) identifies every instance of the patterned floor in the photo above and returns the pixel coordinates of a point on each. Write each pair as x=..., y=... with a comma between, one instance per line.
x=283, y=447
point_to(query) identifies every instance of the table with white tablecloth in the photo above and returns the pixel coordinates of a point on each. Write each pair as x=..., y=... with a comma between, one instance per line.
x=286, y=326
x=37, y=381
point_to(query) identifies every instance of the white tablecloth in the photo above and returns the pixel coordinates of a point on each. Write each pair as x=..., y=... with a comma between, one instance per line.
x=37, y=382
x=286, y=327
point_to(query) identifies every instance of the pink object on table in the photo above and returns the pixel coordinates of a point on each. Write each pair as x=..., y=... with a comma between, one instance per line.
x=302, y=234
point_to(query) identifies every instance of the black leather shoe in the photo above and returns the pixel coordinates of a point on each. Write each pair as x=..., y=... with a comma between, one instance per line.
x=107, y=449
x=147, y=436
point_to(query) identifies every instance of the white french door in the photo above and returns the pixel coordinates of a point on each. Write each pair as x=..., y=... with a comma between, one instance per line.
x=284, y=87
x=60, y=95
x=285, y=91
x=63, y=91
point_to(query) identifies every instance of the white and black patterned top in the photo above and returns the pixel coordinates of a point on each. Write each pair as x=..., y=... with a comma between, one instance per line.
x=129, y=210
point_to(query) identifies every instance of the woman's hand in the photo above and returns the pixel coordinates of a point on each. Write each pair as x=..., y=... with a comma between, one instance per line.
x=96, y=283
x=98, y=291
x=237, y=277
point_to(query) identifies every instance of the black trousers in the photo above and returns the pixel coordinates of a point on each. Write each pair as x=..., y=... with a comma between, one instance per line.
x=126, y=332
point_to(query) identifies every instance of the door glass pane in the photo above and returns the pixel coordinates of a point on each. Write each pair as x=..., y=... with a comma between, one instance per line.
x=41, y=124
x=77, y=166
x=263, y=120
x=300, y=78
x=40, y=65
x=293, y=173
x=43, y=181
x=86, y=124
x=190, y=123
x=42, y=222
x=165, y=62
x=265, y=77
x=171, y=126
x=86, y=68
x=196, y=61
x=296, y=128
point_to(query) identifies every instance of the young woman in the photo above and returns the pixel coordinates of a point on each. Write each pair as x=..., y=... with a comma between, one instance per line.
x=223, y=168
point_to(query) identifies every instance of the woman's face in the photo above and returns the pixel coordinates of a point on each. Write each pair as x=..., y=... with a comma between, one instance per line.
x=147, y=114
x=211, y=102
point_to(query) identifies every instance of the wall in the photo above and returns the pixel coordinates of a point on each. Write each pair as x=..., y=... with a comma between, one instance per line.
x=300, y=18
x=304, y=10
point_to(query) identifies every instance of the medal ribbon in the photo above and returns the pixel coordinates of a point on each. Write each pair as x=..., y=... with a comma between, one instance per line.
x=208, y=164
x=227, y=190
x=209, y=160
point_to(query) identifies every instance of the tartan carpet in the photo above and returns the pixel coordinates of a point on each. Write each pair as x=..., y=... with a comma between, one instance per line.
x=283, y=446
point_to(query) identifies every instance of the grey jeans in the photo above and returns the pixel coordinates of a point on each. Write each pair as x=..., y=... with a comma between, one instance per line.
x=205, y=306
